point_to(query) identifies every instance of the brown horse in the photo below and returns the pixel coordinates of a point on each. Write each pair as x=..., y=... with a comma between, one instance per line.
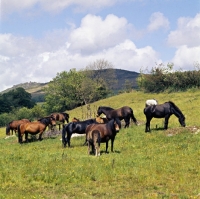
x=14, y=124
x=123, y=113
x=94, y=140
x=101, y=120
x=61, y=118
x=75, y=120
x=107, y=131
x=34, y=128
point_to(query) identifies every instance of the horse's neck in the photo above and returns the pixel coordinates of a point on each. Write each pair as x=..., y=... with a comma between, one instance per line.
x=45, y=122
x=177, y=112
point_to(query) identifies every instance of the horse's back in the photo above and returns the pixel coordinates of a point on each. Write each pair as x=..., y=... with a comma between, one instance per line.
x=151, y=102
x=157, y=111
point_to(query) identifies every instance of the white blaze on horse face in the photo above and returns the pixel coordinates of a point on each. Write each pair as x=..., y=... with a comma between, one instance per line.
x=116, y=127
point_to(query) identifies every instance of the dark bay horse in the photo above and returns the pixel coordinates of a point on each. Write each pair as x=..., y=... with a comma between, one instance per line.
x=74, y=127
x=34, y=128
x=123, y=113
x=12, y=126
x=107, y=131
x=61, y=118
x=163, y=111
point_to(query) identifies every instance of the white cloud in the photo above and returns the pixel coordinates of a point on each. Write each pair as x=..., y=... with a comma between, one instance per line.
x=157, y=21
x=187, y=33
x=96, y=34
x=10, y=6
x=186, y=58
x=187, y=41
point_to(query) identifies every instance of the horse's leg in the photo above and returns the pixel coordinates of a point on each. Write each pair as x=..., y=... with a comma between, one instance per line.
x=93, y=147
x=68, y=138
x=127, y=122
x=112, y=143
x=166, y=122
x=98, y=148
x=21, y=137
x=40, y=136
x=26, y=136
x=88, y=148
x=106, y=146
x=148, y=120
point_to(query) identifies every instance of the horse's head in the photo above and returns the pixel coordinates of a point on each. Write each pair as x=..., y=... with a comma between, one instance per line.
x=117, y=128
x=182, y=121
x=66, y=115
x=52, y=120
x=117, y=124
x=99, y=111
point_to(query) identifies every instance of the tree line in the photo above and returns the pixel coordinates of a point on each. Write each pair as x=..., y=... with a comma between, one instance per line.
x=165, y=79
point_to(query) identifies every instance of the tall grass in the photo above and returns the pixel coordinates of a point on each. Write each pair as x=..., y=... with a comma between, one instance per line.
x=160, y=164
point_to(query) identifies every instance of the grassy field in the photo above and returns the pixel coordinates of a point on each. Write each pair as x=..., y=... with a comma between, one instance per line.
x=160, y=164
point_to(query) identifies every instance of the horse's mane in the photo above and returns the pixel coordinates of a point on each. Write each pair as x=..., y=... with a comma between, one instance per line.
x=107, y=108
x=176, y=108
x=44, y=120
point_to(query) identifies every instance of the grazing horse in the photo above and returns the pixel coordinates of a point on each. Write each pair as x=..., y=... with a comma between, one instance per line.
x=34, y=128
x=74, y=127
x=14, y=124
x=163, y=111
x=107, y=131
x=151, y=102
x=94, y=140
x=61, y=118
x=123, y=113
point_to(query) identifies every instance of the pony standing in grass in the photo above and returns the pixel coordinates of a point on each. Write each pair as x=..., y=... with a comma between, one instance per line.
x=163, y=111
x=124, y=113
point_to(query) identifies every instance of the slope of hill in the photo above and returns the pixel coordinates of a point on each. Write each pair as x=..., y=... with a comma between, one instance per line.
x=36, y=89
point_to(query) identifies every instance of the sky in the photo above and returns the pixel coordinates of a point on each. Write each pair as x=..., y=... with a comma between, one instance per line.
x=41, y=38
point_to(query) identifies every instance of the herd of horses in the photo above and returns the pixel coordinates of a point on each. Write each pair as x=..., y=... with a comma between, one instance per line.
x=97, y=130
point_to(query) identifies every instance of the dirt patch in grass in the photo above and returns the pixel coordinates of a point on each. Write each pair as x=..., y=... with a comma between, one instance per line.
x=175, y=131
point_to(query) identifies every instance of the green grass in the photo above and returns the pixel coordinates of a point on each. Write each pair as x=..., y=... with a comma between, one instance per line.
x=144, y=165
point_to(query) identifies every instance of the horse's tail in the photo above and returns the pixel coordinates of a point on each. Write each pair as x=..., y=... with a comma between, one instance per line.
x=64, y=136
x=19, y=134
x=133, y=117
x=8, y=129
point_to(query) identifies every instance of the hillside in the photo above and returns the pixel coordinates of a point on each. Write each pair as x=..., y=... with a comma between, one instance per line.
x=36, y=89
x=160, y=164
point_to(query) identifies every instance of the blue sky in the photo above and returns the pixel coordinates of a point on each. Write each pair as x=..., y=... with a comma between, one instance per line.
x=39, y=38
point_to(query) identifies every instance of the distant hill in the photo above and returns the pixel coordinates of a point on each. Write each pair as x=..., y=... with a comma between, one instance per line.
x=123, y=75
x=38, y=94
